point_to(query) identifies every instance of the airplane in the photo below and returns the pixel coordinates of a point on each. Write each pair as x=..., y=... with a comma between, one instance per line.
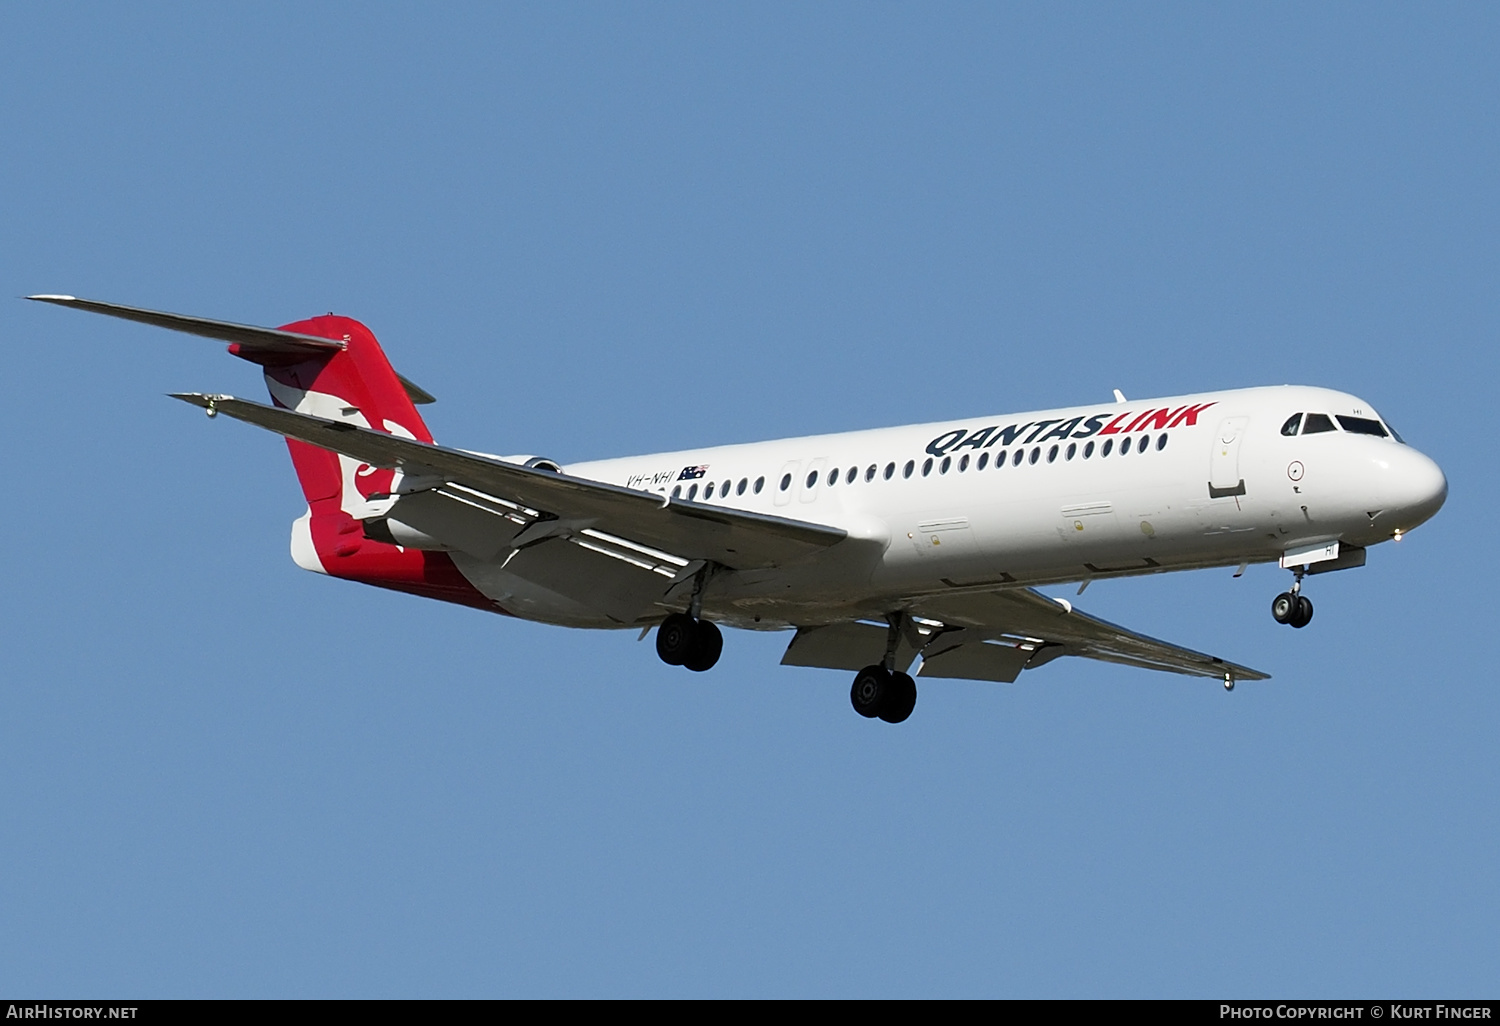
x=875, y=547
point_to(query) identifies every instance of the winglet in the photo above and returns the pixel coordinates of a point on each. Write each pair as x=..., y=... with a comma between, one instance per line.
x=1120, y=396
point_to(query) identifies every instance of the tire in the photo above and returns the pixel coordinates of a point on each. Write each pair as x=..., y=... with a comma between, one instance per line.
x=870, y=691
x=675, y=638
x=903, y=699
x=708, y=642
x=1304, y=612
x=1284, y=607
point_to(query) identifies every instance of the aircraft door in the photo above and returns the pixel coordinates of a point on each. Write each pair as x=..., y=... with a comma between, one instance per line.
x=786, y=482
x=1224, y=478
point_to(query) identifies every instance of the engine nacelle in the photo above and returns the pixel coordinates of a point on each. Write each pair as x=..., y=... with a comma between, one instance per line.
x=535, y=462
x=394, y=532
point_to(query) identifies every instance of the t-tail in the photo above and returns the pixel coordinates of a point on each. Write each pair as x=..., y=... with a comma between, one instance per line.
x=332, y=367
x=354, y=384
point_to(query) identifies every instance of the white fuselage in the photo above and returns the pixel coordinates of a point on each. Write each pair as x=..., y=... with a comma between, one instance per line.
x=1041, y=497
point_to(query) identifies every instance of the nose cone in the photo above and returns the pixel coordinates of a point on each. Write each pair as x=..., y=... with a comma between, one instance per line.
x=1415, y=488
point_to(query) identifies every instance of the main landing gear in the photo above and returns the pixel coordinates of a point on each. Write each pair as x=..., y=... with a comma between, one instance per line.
x=686, y=639
x=890, y=695
x=884, y=691
x=682, y=640
x=1293, y=607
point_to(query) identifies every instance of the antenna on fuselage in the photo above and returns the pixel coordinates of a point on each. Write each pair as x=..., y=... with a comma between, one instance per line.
x=1120, y=396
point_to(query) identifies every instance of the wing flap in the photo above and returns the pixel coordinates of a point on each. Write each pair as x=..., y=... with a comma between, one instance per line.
x=975, y=660
x=734, y=538
x=845, y=646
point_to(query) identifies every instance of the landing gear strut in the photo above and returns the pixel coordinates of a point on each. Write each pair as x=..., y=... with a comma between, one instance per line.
x=686, y=639
x=1293, y=607
x=883, y=691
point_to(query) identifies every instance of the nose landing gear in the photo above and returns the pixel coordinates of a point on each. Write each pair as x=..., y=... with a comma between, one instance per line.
x=1293, y=607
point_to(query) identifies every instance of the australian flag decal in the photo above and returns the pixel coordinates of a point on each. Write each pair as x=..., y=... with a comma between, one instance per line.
x=692, y=473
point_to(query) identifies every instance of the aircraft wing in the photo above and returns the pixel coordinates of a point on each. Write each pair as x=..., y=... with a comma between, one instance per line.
x=557, y=503
x=994, y=635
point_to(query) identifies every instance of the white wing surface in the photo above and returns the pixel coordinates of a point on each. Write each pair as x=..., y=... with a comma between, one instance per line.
x=552, y=503
x=994, y=635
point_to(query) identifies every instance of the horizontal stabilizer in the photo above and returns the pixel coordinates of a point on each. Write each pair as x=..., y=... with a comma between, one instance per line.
x=251, y=339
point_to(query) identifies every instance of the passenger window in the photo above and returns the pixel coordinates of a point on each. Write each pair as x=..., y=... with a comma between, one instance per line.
x=927, y=466
x=812, y=479
x=853, y=473
x=1361, y=426
x=963, y=463
x=1317, y=423
x=786, y=481
x=890, y=471
x=1291, y=425
x=1161, y=443
x=1109, y=443
x=1015, y=460
x=739, y=489
x=677, y=491
x=724, y=489
x=833, y=477
x=1072, y=450
x=1088, y=450
x=760, y=482
x=692, y=493
x=708, y=491
x=1052, y=454
x=906, y=470
x=870, y=474
x=947, y=462
x=1036, y=454
x=984, y=458
x=1000, y=459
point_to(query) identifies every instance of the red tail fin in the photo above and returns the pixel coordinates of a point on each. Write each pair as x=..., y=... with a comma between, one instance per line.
x=357, y=385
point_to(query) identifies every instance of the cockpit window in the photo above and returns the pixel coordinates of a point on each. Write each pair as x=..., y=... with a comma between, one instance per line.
x=1361, y=426
x=1317, y=423
x=1394, y=433
x=1291, y=425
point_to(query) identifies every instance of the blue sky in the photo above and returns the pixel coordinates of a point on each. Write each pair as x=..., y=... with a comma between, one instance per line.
x=604, y=229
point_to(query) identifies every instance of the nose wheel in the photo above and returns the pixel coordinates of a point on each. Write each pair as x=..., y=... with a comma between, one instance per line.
x=1292, y=607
